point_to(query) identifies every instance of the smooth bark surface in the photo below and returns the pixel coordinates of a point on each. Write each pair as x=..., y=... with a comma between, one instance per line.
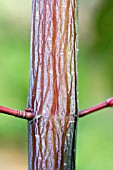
x=53, y=94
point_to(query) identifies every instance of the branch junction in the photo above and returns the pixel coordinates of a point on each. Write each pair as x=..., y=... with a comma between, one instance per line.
x=29, y=115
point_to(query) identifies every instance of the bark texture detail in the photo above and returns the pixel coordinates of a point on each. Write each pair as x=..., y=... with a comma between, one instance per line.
x=52, y=94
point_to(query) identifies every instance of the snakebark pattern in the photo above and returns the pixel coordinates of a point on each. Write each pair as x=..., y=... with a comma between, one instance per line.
x=52, y=93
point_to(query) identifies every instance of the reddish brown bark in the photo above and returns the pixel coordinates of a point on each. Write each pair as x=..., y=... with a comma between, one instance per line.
x=53, y=95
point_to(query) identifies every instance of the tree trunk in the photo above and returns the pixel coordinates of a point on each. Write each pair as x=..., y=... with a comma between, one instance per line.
x=53, y=94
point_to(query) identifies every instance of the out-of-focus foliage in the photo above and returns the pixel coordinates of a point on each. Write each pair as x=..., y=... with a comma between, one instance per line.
x=103, y=23
x=14, y=71
x=95, y=132
x=102, y=46
x=14, y=79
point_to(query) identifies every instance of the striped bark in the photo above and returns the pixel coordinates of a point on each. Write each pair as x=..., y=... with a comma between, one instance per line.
x=52, y=93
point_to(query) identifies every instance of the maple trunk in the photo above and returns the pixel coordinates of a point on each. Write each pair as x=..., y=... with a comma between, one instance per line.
x=53, y=80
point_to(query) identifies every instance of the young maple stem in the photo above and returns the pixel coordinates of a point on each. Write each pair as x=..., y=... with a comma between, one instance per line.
x=27, y=114
x=107, y=103
x=53, y=81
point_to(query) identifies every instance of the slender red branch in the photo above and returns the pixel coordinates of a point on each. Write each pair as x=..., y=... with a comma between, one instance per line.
x=27, y=114
x=107, y=103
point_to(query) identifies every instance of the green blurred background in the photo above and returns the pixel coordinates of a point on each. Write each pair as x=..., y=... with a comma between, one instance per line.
x=95, y=82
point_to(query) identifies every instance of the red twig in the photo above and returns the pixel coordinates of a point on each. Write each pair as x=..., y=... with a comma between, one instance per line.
x=107, y=103
x=27, y=114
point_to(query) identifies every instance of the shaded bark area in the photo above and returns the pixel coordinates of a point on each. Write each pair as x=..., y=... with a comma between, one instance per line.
x=52, y=94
